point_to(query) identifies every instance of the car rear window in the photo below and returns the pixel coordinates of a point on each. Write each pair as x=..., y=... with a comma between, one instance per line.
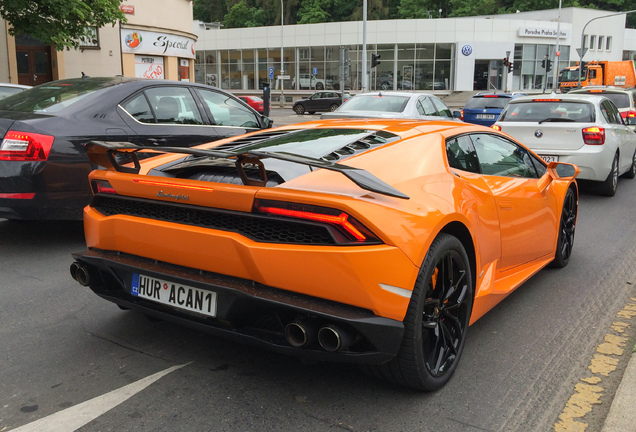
x=621, y=100
x=535, y=111
x=375, y=103
x=53, y=97
x=487, y=102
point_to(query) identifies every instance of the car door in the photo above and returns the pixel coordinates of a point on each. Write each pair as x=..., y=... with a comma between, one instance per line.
x=229, y=116
x=626, y=138
x=528, y=219
x=313, y=102
x=166, y=116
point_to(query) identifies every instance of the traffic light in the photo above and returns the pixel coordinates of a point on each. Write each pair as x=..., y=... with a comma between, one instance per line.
x=375, y=60
x=543, y=63
x=548, y=65
x=505, y=61
x=510, y=67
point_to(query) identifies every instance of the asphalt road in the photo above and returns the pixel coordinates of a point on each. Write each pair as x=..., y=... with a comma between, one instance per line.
x=63, y=349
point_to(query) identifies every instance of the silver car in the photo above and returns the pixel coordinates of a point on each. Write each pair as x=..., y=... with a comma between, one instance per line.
x=392, y=104
x=585, y=130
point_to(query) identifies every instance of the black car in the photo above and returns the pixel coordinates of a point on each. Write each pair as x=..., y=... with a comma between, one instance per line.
x=319, y=101
x=43, y=165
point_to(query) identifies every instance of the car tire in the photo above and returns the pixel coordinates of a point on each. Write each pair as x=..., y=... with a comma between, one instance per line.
x=320, y=86
x=632, y=170
x=608, y=187
x=436, y=320
x=333, y=107
x=300, y=109
x=384, y=86
x=311, y=112
x=567, y=227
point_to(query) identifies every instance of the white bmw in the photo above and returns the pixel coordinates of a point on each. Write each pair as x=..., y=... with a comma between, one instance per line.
x=585, y=130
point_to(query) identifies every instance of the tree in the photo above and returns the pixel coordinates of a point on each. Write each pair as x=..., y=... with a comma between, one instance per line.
x=59, y=22
x=243, y=16
x=314, y=11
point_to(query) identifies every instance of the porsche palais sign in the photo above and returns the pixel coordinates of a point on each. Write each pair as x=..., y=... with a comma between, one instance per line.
x=135, y=41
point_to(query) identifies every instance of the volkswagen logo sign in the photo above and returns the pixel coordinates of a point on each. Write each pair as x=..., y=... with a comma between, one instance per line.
x=538, y=133
x=467, y=50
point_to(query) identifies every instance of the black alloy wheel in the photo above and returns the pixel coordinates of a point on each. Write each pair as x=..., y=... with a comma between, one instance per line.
x=333, y=107
x=436, y=321
x=608, y=187
x=567, y=226
x=320, y=86
x=300, y=109
x=632, y=170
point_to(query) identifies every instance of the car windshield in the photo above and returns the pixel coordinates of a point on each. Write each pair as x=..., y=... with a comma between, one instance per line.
x=569, y=75
x=375, y=103
x=555, y=111
x=53, y=97
x=487, y=102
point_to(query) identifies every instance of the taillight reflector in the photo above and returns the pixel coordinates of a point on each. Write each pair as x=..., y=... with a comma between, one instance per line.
x=103, y=186
x=25, y=146
x=341, y=220
x=594, y=135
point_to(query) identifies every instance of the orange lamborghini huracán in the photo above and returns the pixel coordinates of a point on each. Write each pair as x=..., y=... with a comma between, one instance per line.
x=372, y=241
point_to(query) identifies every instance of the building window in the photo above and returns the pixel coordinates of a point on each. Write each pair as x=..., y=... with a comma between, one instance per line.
x=90, y=40
x=592, y=42
x=584, y=40
x=601, y=40
x=608, y=43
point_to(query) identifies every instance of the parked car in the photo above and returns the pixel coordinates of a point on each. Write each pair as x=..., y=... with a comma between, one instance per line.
x=624, y=99
x=373, y=241
x=585, y=130
x=390, y=104
x=309, y=81
x=255, y=102
x=319, y=101
x=8, y=89
x=484, y=108
x=43, y=131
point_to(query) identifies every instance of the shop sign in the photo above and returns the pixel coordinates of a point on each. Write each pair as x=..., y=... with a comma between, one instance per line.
x=148, y=67
x=146, y=42
x=127, y=9
x=542, y=32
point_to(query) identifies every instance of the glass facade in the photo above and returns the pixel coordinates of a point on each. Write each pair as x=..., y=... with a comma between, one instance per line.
x=402, y=67
x=528, y=72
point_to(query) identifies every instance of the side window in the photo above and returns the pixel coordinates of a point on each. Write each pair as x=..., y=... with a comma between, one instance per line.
x=174, y=105
x=226, y=111
x=608, y=112
x=427, y=106
x=461, y=154
x=441, y=108
x=139, y=109
x=500, y=157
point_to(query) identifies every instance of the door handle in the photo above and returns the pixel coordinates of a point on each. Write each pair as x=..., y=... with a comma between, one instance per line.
x=156, y=141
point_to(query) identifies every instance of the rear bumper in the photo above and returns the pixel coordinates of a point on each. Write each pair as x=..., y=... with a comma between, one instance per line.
x=247, y=311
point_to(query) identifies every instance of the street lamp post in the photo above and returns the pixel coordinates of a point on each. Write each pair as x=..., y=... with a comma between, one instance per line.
x=282, y=69
x=583, y=50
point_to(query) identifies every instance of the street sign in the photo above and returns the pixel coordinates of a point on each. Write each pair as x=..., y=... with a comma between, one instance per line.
x=558, y=53
x=315, y=71
x=578, y=51
x=283, y=77
x=271, y=73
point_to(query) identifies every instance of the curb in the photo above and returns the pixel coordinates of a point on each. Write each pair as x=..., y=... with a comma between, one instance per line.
x=622, y=415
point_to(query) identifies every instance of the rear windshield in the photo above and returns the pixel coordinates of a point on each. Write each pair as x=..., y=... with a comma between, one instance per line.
x=52, y=97
x=621, y=100
x=579, y=112
x=487, y=102
x=375, y=103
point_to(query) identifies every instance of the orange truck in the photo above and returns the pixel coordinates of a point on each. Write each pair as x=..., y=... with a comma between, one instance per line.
x=614, y=73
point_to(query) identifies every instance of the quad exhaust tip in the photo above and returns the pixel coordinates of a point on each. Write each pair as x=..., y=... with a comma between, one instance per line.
x=332, y=338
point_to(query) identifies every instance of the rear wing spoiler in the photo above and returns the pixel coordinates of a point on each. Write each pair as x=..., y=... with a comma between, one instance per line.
x=104, y=153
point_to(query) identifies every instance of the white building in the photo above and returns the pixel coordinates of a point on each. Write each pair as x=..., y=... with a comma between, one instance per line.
x=430, y=54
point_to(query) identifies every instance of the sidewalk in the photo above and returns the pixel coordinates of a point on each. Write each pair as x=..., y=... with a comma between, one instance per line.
x=622, y=415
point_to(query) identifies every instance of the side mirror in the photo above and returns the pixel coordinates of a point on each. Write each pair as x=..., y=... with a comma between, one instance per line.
x=457, y=114
x=558, y=171
x=267, y=122
x=630, y=121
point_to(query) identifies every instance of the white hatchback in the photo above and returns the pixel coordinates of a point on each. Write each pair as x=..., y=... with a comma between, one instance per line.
x=585, y=130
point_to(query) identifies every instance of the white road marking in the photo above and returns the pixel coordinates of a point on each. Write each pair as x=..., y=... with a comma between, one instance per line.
x=77, y=416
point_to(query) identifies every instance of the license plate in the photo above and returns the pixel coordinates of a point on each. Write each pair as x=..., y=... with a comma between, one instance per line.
x=174, y=294
x=549, y=159
x=485, y=116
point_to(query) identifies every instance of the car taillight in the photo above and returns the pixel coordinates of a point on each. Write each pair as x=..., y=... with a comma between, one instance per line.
x=627, y=114
x=102, y=186
x=461, y=115
x=594, y=135
x=349, y=230
x=496, y=127
x=25, y=146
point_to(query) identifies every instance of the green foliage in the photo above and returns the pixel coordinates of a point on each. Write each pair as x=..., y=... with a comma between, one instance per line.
x=59, y=22
x=314, y=11
x=241, y=15
x=409, y=9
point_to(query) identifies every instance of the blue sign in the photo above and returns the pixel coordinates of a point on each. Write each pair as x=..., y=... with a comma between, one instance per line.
x=315, y=71
x=271, y=73
x=467, y=50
